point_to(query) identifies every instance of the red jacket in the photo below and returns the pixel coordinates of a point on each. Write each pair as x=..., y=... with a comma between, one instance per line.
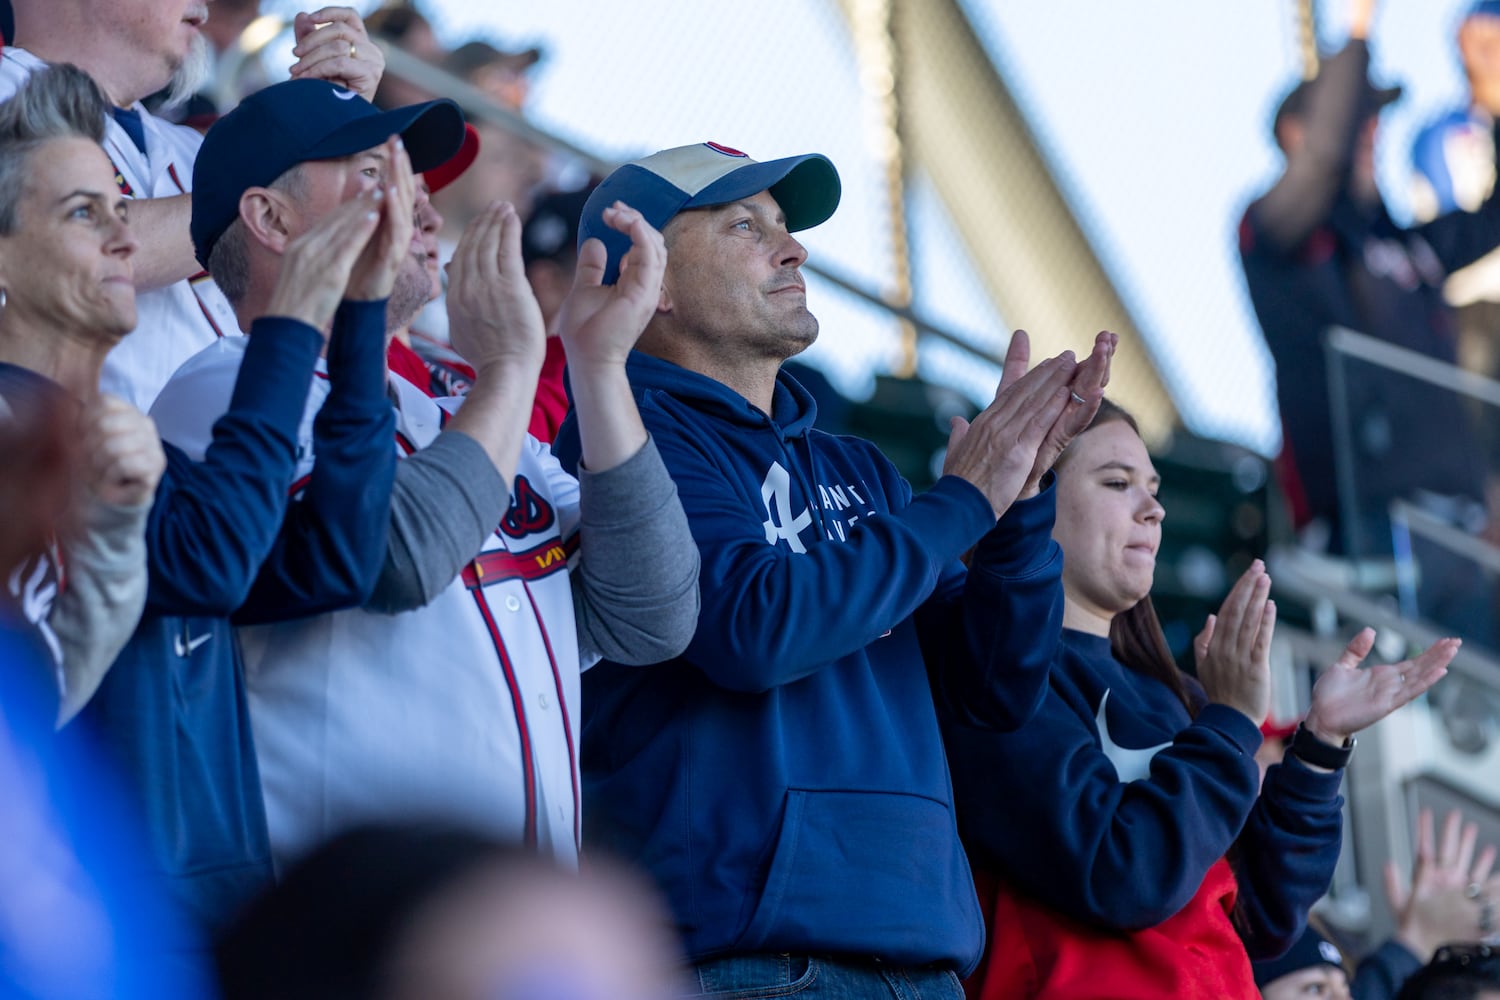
x=1034, y=951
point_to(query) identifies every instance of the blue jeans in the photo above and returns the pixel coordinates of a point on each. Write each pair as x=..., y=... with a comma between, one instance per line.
x=820, y=977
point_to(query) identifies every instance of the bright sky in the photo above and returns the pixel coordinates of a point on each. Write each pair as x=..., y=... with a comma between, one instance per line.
x=1154, y=116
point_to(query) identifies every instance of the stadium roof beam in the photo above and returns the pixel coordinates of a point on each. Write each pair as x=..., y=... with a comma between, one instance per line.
x=964, y=128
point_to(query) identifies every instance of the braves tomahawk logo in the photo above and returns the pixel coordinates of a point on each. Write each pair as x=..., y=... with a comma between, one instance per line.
x=842, y=506
x=780, y=524
x=529, y=513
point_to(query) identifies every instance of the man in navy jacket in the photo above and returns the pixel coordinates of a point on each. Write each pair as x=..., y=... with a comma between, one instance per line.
x=233, y=534
x=784, y=779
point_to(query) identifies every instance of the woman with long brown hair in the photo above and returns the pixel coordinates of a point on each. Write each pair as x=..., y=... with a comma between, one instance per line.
x=1122, y=842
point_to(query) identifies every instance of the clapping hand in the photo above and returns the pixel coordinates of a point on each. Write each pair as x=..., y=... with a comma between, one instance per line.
x=600, y=323
x=997, y=451
x=493, y=317
x=1346, y=698
x=1233, y=652
x=1085, y=393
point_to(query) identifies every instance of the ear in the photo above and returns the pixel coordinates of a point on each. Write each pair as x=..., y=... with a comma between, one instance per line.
x=268, y=217
x=664, y=299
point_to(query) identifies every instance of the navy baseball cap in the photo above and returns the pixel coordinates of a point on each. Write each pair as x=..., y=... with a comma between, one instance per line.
x=293, y=122
x=1484, y=8
x=1311, y=949
x=703, y=175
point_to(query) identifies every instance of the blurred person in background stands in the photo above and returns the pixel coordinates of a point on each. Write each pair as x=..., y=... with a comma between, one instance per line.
x=509, y=168
x=414, y=913
x=133, y=48
x=221, y=535
x=1449, y=897
x=549, y=246
x=1457, y=972
x=1319, y=251
x=504, y=76
x=1454, y=163
x=402, y=23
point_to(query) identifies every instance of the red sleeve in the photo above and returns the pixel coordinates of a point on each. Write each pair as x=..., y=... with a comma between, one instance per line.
x=409, y=365
x=551, y=404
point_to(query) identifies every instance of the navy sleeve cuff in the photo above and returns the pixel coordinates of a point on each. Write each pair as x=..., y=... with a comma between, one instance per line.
x=356, y=353
x=955, y=515
x=1232, y=724
x=1296, y=778
x=1022, y=540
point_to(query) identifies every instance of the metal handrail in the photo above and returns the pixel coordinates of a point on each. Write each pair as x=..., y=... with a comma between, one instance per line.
x=1342, y=341
x=1352, y=606
x=1435, y=529
x=1406, y=361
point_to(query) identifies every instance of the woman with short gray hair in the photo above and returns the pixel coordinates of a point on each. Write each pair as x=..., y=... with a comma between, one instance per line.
x=65, y=300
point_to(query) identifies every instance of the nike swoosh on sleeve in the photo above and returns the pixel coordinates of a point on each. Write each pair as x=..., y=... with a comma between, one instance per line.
x=1130, y=764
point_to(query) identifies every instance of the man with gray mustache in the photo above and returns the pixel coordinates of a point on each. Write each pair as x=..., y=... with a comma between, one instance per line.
x=134, y=48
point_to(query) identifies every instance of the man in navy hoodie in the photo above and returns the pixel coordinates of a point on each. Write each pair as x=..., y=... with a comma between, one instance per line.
x=784, y=779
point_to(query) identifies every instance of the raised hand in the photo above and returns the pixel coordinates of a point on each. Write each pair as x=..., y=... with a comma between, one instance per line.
x=1233, y=652
x=600, y=323
x=1086, y=392
x=1346, y=699
x=122, y=454
x=315, y=267
x=493, y=317
x=1450, y=896
x=332, y=45
x=374, y=272
x=998, y=450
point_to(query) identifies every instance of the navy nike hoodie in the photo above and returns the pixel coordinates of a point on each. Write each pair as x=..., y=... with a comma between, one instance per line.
x=784, y=780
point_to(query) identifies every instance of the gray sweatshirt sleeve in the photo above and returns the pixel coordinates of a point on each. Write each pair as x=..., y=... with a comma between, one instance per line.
x=446, y=499
x=97, y=611
x=635, y=591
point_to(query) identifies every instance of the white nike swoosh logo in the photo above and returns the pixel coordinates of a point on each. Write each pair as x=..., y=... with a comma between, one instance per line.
x=345, y=95
x=185, y=649
x=1130, y=765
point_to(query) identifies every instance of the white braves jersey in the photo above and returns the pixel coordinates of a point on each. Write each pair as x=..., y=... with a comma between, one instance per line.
x=172, y=323
x=464, y=710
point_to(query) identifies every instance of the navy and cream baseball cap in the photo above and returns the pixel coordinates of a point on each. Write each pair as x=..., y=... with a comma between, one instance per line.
x=703, y=175
x=293, y=122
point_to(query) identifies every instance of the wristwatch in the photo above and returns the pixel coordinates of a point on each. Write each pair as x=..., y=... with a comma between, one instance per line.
x=1319, y=754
